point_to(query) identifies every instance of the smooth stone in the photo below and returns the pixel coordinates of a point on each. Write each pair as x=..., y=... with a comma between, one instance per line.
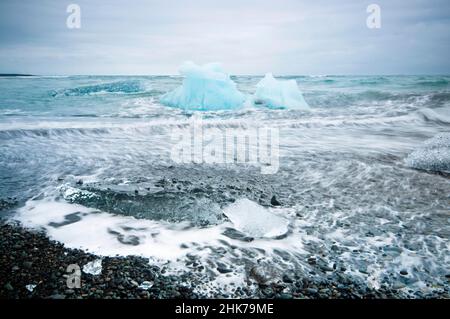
x=8, y=287
x=287, y=279
x=235, y=234
x=312, y=260
x=312, y=291
x=398, y=285
x=274, y=201
x=223, y=269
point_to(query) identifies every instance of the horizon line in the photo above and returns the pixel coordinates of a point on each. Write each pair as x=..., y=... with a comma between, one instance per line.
x=13, y=74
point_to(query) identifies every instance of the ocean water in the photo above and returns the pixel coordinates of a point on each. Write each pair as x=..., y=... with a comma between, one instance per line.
x=363, y=179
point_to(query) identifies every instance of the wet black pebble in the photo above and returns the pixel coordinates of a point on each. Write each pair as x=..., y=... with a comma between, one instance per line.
x=274, y=201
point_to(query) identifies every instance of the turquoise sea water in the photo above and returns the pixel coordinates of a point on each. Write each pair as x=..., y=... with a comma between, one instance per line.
x=351, y=193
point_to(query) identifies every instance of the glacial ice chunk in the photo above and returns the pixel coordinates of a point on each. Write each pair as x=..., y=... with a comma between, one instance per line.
x=255, y=220
x=206, y=88
x=93, y=268
x=146, y=285
x=433, y=155
x=30, y=287
x=279, y=94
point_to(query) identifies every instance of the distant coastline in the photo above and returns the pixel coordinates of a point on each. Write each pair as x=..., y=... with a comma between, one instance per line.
x=14, y=74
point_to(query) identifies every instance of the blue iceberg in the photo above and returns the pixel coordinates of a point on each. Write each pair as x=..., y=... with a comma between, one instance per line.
x=205, y=88
x=433, y=155
x=279, y=94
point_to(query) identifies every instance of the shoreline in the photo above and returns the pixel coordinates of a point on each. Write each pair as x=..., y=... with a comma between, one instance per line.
x=30, y=257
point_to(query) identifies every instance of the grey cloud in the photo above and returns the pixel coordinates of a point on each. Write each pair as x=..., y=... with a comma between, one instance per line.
x=249, y=37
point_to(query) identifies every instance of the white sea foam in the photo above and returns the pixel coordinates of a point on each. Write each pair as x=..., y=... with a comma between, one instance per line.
x=172, y=244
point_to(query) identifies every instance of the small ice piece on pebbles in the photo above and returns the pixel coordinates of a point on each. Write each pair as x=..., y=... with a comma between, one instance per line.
x=93, y=267
x=146, y=285
x=30, y=287
x=255, y=220
x=264, y=274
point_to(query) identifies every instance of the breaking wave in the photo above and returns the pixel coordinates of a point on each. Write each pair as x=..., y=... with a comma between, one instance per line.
x=435, y=116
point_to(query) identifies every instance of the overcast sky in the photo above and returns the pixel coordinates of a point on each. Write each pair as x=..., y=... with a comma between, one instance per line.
x=247, y=36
